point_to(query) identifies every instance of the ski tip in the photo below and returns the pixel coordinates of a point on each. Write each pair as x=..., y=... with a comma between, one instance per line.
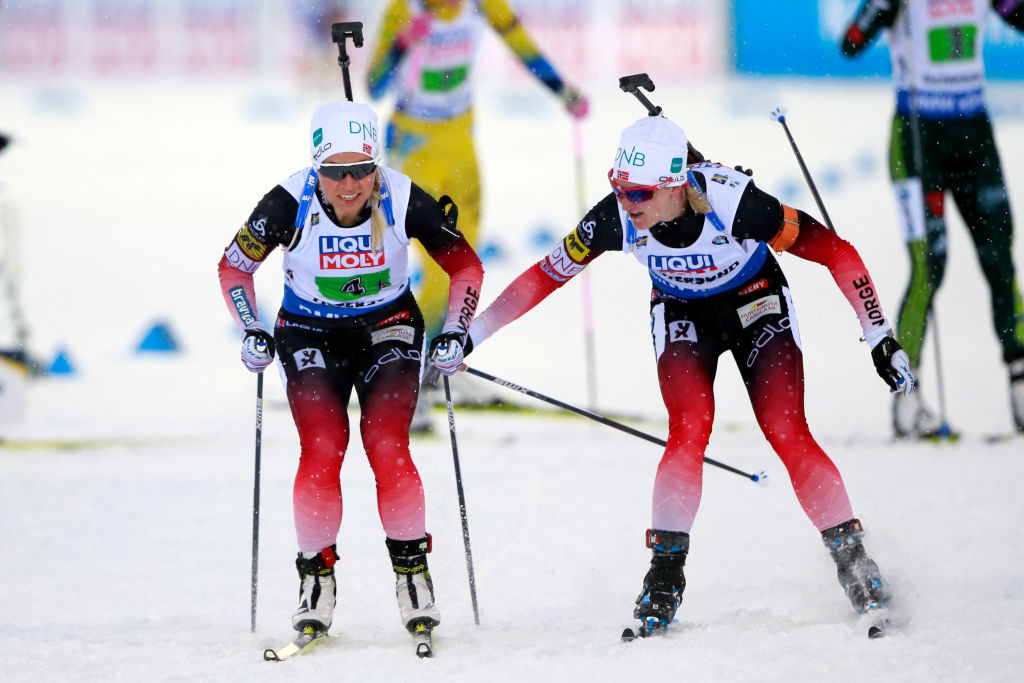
x=877, y=621
x=1001, y=438
x=305, y=641
x=644, y=629
x=941, y=434
x=761, y=479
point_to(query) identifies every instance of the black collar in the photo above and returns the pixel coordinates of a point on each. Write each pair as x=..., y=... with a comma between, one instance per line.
x=681, y=231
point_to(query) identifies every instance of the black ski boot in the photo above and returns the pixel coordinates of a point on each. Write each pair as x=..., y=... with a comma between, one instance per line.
x=858, y=573
x=664, y=583
x=415, y=591
x=413, y=586
x=317, y=591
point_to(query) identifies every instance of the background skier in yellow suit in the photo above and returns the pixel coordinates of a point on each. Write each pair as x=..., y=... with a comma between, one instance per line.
x=425, y=52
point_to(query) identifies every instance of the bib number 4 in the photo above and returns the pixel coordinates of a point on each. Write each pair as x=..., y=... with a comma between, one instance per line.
x=355, y=287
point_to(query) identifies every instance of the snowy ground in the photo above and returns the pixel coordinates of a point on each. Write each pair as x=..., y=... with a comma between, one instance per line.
x=126, y=493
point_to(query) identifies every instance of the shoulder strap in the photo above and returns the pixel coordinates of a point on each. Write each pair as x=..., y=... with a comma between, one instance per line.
x=385, y=198
x=308, y=188
x=713, y=217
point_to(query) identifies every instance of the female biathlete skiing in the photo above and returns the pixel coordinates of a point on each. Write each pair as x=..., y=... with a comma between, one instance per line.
x=704, y=234
x=349, y=321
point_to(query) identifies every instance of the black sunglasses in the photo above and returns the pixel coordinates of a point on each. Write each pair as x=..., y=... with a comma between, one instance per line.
x=358, y=170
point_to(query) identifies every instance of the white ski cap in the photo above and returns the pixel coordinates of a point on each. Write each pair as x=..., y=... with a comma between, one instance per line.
x=343, y=126
x=651, y=151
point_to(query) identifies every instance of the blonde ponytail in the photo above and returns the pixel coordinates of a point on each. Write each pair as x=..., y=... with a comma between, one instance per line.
x=378, y=222
x=697, y=199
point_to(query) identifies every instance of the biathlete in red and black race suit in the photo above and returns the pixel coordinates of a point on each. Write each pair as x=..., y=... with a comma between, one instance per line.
x=705, y=234
x=349, y=321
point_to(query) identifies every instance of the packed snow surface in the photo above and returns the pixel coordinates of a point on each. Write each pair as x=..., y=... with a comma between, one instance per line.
x=126, y=492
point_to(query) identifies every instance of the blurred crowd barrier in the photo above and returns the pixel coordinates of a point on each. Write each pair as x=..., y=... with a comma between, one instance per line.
x=217, y=39
x=589, y=40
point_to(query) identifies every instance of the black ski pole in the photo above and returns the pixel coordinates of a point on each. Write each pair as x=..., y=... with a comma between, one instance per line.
x=256, y=496
x=462, y=499
x=8, y=237
x=759, y=478
x=779, y=114
x=340, y=33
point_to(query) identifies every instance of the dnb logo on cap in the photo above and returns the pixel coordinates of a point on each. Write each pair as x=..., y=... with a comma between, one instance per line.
x=318, y=137
x=677, y=164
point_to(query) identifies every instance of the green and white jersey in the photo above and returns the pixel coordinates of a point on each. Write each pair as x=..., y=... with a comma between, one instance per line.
x=936, y=51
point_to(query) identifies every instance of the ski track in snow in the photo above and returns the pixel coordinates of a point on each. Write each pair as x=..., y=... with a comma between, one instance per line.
x=127, y=550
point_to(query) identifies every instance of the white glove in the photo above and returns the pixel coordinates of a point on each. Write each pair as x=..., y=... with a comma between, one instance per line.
x=447, y=351
x=257, y=348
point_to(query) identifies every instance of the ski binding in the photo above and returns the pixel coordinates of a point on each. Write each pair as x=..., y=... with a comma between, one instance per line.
x=307, y=639
x=423, y=640
x=647, y=627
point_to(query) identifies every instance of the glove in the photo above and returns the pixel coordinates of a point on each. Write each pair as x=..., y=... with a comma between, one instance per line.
x=893, y=366
x=257, y=348
x=432, y=373
x=864, y=27
x=447, y=351
x=575, y=102
x=418, y=29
